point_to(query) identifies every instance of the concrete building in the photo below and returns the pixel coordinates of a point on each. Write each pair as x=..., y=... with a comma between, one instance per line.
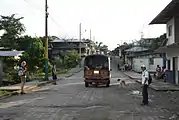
x=62, y=45
x=137, y=56
x=170, y=16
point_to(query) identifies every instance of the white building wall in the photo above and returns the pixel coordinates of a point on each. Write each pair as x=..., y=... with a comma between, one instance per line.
x=157, y=61
x=118, y=60
x=171, y=39
x=170, y=54
x=137, y=62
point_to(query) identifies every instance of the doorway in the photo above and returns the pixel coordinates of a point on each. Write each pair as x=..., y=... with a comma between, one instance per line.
x=175, y=70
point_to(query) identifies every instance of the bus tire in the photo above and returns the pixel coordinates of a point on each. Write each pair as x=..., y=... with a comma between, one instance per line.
x=108, y=84
x=86, y=84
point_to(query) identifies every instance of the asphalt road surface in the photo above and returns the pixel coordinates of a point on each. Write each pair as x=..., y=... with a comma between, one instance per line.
x=70, y=100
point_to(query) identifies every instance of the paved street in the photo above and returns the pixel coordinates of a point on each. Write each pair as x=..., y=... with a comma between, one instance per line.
x=70, y=100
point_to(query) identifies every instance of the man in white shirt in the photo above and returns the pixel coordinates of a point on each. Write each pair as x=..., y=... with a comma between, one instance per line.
x=145, y=78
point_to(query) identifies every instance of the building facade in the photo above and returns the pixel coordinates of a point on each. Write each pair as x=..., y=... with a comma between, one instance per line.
x=137, y=56
x=170, y=16
x=62, y=46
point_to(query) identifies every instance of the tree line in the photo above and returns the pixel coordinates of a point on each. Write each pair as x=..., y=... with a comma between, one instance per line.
x=12, y=38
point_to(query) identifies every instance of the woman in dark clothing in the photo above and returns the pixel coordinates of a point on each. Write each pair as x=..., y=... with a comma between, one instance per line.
x=54, y=76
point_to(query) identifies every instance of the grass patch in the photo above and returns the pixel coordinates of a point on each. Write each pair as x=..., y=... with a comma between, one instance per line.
x=30, y=77
x=4, y=92
x=41, y=75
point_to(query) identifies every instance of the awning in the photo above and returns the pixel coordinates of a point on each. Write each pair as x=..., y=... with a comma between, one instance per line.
x=167, y=13
x=10, y=53
x=173, y=47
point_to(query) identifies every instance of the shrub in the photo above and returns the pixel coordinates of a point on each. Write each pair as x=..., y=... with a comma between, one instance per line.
x=12, y=76
x=71, y=59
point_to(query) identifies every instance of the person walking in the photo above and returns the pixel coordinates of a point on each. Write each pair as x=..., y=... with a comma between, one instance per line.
x=145, y=83
x=22, y=73
x=54, y=76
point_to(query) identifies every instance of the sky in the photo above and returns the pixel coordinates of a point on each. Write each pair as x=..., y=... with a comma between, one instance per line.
x=111, y=21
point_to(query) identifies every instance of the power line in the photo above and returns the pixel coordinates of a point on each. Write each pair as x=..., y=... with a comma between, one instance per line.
x=54, y=21
x=42, y=11
x=37, y=8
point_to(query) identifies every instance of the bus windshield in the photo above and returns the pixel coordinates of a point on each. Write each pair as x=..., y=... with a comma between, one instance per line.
x=97, y=62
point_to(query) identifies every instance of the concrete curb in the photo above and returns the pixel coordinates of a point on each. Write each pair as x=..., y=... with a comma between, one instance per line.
x=78, y=70
x=69, y=75
x=8, y=95
x=151, y=85
x=137, y=79
x=44, y=83
x=27, y=89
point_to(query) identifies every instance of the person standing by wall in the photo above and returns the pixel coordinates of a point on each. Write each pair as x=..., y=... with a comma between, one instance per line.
x=158, y=72
x=22, y=73
x=145, y=83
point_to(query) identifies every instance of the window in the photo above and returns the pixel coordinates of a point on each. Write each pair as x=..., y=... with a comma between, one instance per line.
x=151, y=61
x=170, y=30
x=96, y=61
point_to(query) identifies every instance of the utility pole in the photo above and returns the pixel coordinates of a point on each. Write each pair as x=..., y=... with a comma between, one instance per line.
x=80, y=40
x=46, y=40
x=90, y=34
x=90, y=43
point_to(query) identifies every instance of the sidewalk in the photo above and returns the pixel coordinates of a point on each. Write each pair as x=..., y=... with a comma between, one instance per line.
x=14, y=89
x=28, y=85
x=133, y=75
x=36, y=83
x=73, y=70
x=70, y=72
x=155, y=85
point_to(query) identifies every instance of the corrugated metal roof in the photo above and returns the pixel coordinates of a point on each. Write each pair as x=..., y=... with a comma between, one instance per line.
x=68, y=40
x=136, y=49
x=10, y=53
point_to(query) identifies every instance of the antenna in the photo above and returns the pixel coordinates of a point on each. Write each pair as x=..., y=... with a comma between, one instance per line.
x=142, y=35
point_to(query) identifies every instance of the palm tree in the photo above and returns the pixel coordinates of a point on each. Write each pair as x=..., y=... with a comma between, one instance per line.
x=98, y=46
x=104, y=48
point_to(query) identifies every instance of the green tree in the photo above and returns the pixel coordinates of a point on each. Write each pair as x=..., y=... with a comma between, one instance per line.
x=34, y=54
x=98, y=45
x=104, y=48
x=153, y=43
x=24, y=43
x=71, y=59
x=12, y=28
x=158, y=42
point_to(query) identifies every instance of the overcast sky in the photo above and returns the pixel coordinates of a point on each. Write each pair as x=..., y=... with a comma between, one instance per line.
x=111, y=21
